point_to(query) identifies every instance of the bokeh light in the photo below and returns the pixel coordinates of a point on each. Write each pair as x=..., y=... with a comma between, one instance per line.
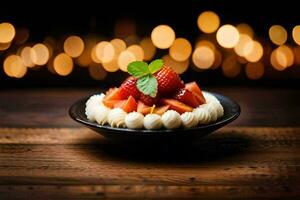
x=96, y=71
x=178, y=67
x=119, y=45
x=39, y=54
x=148, y=47
x=245, y=29
x=231, y=67
x=13, y=66
x=111, y=66
x=256, y=52
x=282, y=57
x=296, y=51
x=227, y=36
x=85, y=58
x=4, y=46
x=124, y=59
x=25, y=54
x=296, y=34
x=277, y=34
x=255, y=71
x=163, y=36
x=7, y=32
x=180, y=50
x=208, y=22
x=104, y=51
x=203, y=57
x=73, y=46
x=63, y=64
x=244, y=46
x=138, y=51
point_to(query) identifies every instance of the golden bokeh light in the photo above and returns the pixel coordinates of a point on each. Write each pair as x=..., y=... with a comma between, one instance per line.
x=256, y=52
x=296, y=34
x=245, y=29
x=105, y=51
x=119, y=45
x=4, y=46
x=296, y=51
x=284, y=56
x=7, y=32
x=63, y=64
x=124, y=59
x=148, y=47
x=73, y=46
x=255, y=71
x=111, y=66
x=218, y=60
x=13, y=66
x=206, y=43
x=244, y=46
x=203, y=57
x=163, y=36
x=227, y=36
x=277, y=34
x=180, y=50
x=208, y=22
x=231, y=67
x=39, y=54
x=25, y=54
x=178, y=67
x=278, y=60
x=86, y=58
x=96, y=71
x=94, y=56
x=137, y=50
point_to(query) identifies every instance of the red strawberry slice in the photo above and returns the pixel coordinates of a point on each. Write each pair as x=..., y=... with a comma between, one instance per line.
x=148, y=100
x=114, y=103
x=161, y=109
x=168, y=81
x=177, y=105
x=130, y=105
x=128, y=88
x=193, y=87
x=112, y=94
x=187, y=97
x=143, y=108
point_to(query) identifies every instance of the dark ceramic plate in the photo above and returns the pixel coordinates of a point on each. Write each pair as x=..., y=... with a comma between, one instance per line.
x=231, y=112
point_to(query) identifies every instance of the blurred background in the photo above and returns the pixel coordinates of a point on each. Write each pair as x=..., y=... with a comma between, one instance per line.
x=90, y=43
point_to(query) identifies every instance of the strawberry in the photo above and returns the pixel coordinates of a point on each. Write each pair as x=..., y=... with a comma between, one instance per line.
x=112, y=94
x=161, y=109
x=130, y=105
x=168, y=81
x=148, y=100
x=128, y=88
x=193, y=87
x=143, y=108
x=187, y=97
x=177, y=105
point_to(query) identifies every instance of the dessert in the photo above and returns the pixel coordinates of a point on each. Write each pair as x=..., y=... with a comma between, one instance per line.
x=154, y=97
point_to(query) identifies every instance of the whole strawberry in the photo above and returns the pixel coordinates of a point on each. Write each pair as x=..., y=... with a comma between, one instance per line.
x=148, y=100
x=128, y=88
x=168, y=81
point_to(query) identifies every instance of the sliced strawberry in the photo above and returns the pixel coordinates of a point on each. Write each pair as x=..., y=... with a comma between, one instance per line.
x=168, y=81
x=143, y=108
x=113, y=103
x=148, y=100
x=187, y=97
x=130, y=105
x=161, y=109
x=177, y=105
x=193, y=87
x=128, y=88
x=112, y=94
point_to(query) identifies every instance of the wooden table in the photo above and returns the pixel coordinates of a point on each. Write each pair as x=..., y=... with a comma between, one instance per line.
x=45, y=155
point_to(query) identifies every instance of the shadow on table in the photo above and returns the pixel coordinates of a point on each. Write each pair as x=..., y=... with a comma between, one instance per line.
x=211, y=148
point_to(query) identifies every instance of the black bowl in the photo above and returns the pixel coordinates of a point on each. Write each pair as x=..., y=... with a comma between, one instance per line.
x=231, y=112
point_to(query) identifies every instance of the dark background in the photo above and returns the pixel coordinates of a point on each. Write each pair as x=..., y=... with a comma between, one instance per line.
x=60, y=18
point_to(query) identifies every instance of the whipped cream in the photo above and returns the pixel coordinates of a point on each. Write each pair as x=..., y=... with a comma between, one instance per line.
x=189, y=119
x=116, y=118
x=152, y=121
x=202, y=115
x=171, y=119
x=100, y=114
x=134, y=120
x=92, y=104
x=95, y=99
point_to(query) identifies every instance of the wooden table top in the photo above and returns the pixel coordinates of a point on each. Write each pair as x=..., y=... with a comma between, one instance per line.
x=45, y=155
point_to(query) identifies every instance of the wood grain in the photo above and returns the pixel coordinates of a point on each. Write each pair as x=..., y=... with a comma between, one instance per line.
x=76, y=163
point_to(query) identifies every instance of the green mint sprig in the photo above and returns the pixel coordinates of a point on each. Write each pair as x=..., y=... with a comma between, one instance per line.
x=146, y=83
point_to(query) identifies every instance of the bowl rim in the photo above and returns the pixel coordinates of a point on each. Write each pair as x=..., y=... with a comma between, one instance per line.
x=73, y=114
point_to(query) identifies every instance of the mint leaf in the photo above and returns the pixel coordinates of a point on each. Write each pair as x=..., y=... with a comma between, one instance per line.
x=138, y=69
x=147, y=85
x=155, y=65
